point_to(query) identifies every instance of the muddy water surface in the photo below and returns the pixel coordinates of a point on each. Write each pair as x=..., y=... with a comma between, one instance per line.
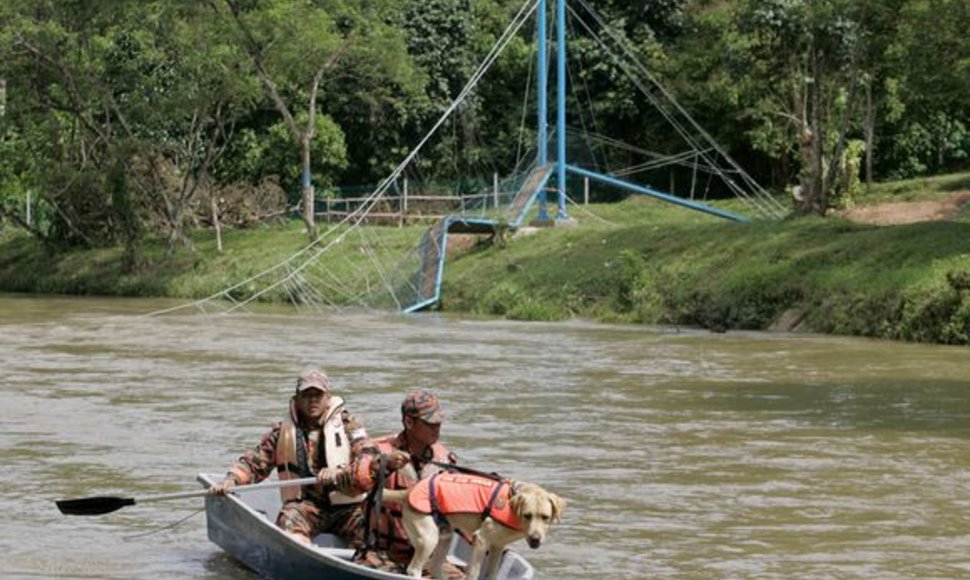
x=682, y=454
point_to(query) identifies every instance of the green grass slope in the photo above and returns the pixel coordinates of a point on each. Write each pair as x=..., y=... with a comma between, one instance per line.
x=654, y=264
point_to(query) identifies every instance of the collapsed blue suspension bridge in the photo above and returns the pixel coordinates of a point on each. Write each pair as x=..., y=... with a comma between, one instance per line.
x=325, y=273
x=433, y=249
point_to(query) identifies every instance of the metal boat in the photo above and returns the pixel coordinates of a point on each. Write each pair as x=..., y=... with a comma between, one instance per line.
x=244, y=526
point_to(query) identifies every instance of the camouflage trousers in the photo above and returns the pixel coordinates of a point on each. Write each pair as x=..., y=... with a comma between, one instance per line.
x=381, y=561
x=308, y=518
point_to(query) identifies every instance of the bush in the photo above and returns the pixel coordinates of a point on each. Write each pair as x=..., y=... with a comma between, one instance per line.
x=935, y=312
x=508, y=300
x=501, y=299
x=537, y=310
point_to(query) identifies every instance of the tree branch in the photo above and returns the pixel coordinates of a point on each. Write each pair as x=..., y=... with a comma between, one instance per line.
x=255, y=53
x=318, y=77
x=70, y=84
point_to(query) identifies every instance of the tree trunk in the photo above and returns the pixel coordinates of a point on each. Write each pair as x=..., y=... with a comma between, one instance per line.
x=215, y=222
x=815, y=194
x=309, y=219
x=808, y=177
x=869, y=129
x=176, y=234
x=837, y=173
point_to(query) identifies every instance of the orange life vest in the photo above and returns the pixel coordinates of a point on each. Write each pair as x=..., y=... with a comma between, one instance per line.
x=454, y=493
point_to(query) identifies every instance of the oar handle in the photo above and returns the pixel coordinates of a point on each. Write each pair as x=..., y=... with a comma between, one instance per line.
x=95, y=506
x=235, y=489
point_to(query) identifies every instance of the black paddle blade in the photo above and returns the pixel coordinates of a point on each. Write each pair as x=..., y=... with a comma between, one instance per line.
x=93, y=506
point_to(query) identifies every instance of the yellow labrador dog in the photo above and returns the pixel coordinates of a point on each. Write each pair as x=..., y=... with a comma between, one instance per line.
x=493, y=513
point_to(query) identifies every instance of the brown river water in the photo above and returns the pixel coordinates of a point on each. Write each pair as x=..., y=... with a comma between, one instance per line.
x=682, y=454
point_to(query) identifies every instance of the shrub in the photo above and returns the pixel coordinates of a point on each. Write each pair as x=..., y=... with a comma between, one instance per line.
x=931, y=312
x=508, y=300
x=501, y=299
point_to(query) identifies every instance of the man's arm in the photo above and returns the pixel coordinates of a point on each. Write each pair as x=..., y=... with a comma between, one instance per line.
x=254, y=466
x=356, y=432
x=361, y=475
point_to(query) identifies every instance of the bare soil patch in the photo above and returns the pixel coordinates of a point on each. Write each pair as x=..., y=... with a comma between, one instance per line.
x=908, y=212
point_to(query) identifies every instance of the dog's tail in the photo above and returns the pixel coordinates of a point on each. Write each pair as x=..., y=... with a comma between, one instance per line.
x=390, y=496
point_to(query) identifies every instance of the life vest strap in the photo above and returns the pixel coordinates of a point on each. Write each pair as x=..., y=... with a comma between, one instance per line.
x=373, y=505
x=491, y=501
x=439, y=517
x=467, y=470
x=290, y=467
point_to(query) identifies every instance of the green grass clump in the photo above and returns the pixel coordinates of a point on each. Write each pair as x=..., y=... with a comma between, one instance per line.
x=917, y=189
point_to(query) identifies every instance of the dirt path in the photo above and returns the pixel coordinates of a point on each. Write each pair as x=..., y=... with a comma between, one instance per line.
x=907, y=212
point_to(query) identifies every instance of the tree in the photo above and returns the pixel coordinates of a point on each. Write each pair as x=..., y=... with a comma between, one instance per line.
x=377, y=95
x=292, y=45
x=800, y=61
x=182, y=103
x=926, y=80
x=119, y=85
x=55, y=108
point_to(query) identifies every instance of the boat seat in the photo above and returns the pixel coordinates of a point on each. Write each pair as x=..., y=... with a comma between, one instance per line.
x=334, y=545
x=342, y=553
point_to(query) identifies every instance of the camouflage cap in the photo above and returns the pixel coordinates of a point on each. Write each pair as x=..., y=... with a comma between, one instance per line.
x=423, y=405
x=312, y=379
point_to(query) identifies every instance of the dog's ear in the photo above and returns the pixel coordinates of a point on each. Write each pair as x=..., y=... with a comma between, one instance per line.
x=516, y=500
x=558, y=506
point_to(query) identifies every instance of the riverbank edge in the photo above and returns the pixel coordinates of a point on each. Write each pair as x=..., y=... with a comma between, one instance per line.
x=908, y=282
x=637, y=262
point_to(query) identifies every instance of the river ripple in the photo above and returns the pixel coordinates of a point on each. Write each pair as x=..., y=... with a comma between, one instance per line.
x=682, y=454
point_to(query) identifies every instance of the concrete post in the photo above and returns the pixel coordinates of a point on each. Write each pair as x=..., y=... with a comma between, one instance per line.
x=215, y=222
x=404, y=209
x=693, y=178
x=495, y=189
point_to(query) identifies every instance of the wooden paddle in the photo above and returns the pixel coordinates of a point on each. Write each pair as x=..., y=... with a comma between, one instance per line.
x=95, y=506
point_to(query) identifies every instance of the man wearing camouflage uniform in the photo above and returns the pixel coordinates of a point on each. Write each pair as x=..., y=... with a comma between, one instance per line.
x=319, y=438
x=408, y=458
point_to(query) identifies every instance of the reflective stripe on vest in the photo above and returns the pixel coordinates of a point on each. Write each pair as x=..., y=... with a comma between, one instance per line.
x=337, y=448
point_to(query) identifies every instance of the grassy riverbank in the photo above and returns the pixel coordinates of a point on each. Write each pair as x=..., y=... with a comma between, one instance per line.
x=636, y=261
x=908, y=282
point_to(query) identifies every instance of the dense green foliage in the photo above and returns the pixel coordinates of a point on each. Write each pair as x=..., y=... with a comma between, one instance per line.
x=127, y=117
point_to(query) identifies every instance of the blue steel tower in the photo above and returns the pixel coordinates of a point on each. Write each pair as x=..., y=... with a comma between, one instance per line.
x=562, y=164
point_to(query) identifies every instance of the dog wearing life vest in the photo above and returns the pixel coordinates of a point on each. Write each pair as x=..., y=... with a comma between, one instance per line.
x=492, y=513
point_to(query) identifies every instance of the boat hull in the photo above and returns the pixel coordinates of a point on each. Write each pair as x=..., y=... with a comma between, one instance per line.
x=243, y=525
